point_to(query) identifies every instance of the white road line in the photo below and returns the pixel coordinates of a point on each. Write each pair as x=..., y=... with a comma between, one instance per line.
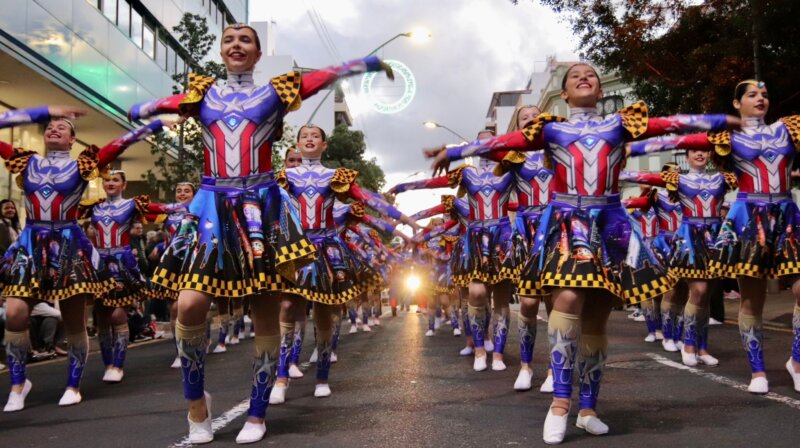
x=219, y=422
x=791, y=402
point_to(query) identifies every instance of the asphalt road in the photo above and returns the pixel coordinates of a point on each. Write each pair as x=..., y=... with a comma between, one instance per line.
x=394, y=387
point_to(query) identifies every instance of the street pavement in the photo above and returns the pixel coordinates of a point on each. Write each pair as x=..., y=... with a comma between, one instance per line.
x=394, y=387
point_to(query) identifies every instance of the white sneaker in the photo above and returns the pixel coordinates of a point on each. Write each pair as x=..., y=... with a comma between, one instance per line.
x=278, y=394
x=689, y=359
x=547, y=385
x=669, y=345
x=295, y=372
x=176, y=363
x=498, y=365
x=247, y=319
x=639, y=318
x=201, y=432
x=758, y=385
x=795, y=376
x=16, y=401
x=251, y=433
x=679, y=345
x=334, y=358
x=2, y=367
x=659, y=335
x=113, y=376
x=555, y=428
x=377, y=321
x=523, y=381
x=650, y=338
x=456, y=332
x=592, y=425
x=227, y=339
x=479, y=365
x=636, y=313
x=366, y=328
x=234, y=340
x=488, y=345
x=429, y=333
x=70, y=397
x=437, y=323
x=466, y=351
x=322, y=391
x=708, y=360
x=220, y=349
x=712, y=321
x=353, y=329
x=313, y=358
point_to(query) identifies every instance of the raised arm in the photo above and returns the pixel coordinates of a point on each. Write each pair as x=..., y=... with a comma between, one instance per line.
x=433, y=211
x=670, y=142
x=317, y=80
x=424, y=184
x=20, y=117
x=112, y=150
x=168, y=105
x=516, y=140
x=639, y=202
x=384, y=226
x=680, y=124
x=642, y=177
x=156, y=212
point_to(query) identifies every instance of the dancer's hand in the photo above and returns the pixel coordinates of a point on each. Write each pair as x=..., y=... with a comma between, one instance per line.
x=441, y=164
x=433, y=152
x=68, y=112
x=388, y=70
x=628, y=149
x=733, y=123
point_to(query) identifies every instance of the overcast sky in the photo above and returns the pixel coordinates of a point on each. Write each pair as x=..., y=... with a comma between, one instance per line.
x=478, y=47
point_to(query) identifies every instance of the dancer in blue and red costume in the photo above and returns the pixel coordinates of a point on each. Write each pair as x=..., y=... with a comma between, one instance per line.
x=489, y=248
x=330, y=280
x=242, y=236
x=700, y=195
x=760, y=237
x=435, y=252
x=586, y=249
x=53, y=260
x=112, y=219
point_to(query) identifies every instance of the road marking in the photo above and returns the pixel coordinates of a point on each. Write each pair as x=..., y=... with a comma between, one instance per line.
x=219, y=422
x=791, y=402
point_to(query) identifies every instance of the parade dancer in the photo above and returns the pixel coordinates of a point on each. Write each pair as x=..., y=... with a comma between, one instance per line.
x=586, y=248
x=53, y=260
x=700, y=195
x=489, y=245
x=760, y=236
x=330, y=281
x=112, y=219
x=241, y=236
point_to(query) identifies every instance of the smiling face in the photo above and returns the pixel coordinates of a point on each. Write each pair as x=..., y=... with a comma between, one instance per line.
x=9, y=210
x=59, y=135
x=697, y=159
x=115, y=184
x=527, y=115
x=581, y=86
x=184, y=193
x=239, y=49
x=754, y=103
x=311, y=142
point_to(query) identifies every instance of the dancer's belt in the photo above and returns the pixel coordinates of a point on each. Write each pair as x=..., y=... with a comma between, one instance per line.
x=112, y=250
x=241, y=182
x=488, y=222
x=702, y=220
x=580, y=200
x=321, y=233
x=55, y=225
x=764, y=197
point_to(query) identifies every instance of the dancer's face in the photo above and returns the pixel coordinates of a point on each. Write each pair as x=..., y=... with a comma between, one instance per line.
x=697, y=159
x=114, y=185
x=58, y=135
x=184, y=193
x=582, y=87
x=526, y=116
x=292, y=159
x=754, y=102
x=239, y=50
x=310, y=142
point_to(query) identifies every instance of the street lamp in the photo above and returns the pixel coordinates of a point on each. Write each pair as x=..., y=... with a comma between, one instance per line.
x=433, y=125
x=416, y=35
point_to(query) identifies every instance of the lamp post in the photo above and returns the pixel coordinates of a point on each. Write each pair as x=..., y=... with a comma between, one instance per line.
x=433, y=125
x=418, y=35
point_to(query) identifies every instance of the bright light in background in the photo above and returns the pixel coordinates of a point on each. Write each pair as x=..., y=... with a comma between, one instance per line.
x=430, y=125
x=412, y=282
x=419, y=35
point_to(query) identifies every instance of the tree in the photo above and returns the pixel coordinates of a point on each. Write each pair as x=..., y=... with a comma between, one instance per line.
x=181, y=159
x=346, y=149
x=683, y=57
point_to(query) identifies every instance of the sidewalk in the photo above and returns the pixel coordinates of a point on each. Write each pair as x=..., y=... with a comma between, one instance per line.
x=778, y=309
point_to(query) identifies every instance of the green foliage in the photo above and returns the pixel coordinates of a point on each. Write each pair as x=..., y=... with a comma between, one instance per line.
x=683, y=57
x=346, y=149
x=180, y=158
x=287, y=140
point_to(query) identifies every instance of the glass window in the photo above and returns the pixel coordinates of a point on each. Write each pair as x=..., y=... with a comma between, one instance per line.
x=180, y=66
x=170, y=60
x=136, y=28
x=110, y=10
x=149, y=41
x=161, y=54
x=215, y=14
x=124, y=16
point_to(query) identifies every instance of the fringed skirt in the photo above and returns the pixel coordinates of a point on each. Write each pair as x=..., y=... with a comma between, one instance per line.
x=458, y=263
x=489, y=252
x=692, y=248
x=759, y=238
x=242, y=236
x=53, y=261
x=592, y=242
x=120, y=265
x=331, y=279
x=525, y=227
x=443, y=277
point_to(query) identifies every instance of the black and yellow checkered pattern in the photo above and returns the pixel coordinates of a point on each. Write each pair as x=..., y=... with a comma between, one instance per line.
x=528, y=288
x=287, y=86
x=342, y=179
x=289, y=259
x=33, y=291
x=793, y=126
x=198, y=87
x=649, y=290
x=635, y=118
x=533, y=130
x=328, y=298
x=217, y=287
x=87, y=163
x=692, y=273
x=19, y=160
x=721, y=141
x=558, y=280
